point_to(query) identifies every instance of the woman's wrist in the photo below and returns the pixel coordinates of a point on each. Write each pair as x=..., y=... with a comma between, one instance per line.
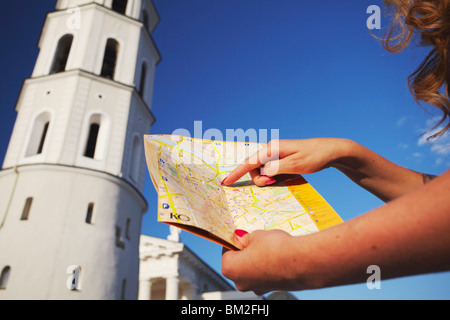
x=345, y=153
x=301, y=263
x=371, y=171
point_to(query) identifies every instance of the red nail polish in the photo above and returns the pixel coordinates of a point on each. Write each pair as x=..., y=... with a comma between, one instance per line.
x=270, y=181
x=240, y=233
x=223, y=181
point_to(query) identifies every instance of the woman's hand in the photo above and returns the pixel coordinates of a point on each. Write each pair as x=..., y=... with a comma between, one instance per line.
x=409, y=235
x=265, y=263
x=290, y=157
x=381, y=177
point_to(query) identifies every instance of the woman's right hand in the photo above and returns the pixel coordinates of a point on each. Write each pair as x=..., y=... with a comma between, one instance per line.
x=301, y=156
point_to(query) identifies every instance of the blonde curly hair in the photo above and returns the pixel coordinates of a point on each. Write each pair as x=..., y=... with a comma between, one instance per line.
x=430, y=19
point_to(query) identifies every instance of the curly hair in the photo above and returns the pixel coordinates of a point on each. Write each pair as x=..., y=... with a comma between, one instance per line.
x=430, y=82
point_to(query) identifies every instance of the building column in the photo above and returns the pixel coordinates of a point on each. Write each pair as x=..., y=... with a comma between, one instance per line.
x=172, y=290
x=145, y=289
x=189, y=292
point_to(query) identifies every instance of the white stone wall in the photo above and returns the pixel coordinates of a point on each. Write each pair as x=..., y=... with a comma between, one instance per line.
x=55, y=236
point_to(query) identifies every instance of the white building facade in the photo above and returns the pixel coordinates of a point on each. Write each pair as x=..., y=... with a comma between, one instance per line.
x=71, y=184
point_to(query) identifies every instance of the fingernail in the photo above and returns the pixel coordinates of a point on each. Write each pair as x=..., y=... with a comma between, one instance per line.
x=223, y=181
x=270, y=181
x=240, y=233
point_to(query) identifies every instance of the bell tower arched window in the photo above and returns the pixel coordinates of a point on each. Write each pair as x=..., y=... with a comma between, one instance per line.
x=4, y=276
x=145, y=19
x=38, y=135
x=92, y=140
x=96, y=139
x=143, y=78
x=120, y=6
x=110, y=59
x=62, y=54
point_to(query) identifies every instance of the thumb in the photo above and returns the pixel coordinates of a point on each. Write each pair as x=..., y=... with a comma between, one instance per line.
x=243, y=237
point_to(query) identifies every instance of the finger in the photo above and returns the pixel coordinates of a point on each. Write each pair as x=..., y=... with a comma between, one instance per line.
x=254, y=161
x=248, y=165
x=230, y=262
x=258, y=179
x=260, y=292
x=283, y=166
x=243, y=237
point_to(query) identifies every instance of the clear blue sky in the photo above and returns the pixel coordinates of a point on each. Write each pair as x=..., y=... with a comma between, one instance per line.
x=307, y=68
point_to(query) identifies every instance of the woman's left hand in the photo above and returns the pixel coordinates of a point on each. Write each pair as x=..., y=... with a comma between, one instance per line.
x=264, y=264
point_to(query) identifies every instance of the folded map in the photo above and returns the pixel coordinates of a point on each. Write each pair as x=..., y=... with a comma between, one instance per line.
x=187, y=174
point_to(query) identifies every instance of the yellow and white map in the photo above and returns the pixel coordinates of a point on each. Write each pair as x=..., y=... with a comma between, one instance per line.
x=187, y=175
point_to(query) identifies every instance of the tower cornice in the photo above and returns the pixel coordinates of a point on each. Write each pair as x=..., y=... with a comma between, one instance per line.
x=120, y=16
x=92, y=76
x=86, y=171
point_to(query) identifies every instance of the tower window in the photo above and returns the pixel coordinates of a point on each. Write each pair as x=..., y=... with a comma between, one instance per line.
x=89, y=213
x=119, y=241
x=62, y=54
x=96, y=137
x=26, y=209
x=4, y=277
x=145, y=19
x=110, y=59
x=38, y=134
x=143, y=78
x=92, y=140
x=43, y=136
x=120, y=6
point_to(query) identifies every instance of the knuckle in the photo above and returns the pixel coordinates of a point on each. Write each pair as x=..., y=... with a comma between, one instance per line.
x=227, y=269
x=273, y=145
x=241, y=287
x=274, y=141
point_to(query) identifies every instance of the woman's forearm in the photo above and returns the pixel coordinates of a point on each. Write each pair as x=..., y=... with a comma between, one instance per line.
x=410, y=235
x=381, y=177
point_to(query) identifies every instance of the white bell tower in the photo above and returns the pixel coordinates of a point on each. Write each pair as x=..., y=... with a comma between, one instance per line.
x=72, y=179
